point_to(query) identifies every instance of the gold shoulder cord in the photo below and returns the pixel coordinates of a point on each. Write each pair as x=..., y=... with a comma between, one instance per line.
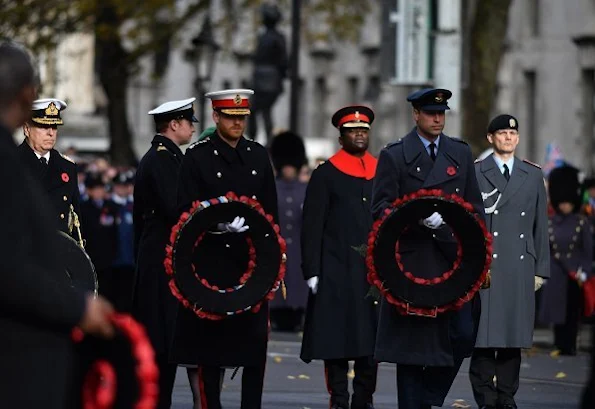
x=74, y=223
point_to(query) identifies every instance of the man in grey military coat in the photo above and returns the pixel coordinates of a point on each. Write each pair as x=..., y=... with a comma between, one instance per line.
x=428, y=351
x=515, y=203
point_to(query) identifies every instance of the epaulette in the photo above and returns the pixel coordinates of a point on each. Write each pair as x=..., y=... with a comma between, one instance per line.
x=199, y=142
x=531, y=163
x=67, y=158
x=456, y=139
x=390, y=144
x=162, y=148
x=477, y=160
x=320, y=163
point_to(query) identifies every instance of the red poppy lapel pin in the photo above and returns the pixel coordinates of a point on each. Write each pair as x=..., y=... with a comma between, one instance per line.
x=65, y=177
x=451, y=170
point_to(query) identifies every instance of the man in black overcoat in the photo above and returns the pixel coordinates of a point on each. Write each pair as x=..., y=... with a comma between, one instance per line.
x=154, y=213
x=38, y=307
x=341, y=318
x=428, y=351
x=222, y=162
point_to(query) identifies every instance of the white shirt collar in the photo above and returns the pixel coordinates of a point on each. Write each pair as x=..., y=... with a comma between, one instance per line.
x=46, y=156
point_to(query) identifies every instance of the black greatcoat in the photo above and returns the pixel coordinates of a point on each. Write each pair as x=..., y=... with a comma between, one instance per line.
x=58, y=178
x=212, y=168
x=405, y=167
x=340, y=320
x=38, y=308
x=154, y=215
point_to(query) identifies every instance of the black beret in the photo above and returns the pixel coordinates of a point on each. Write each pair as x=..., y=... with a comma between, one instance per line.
x=504, y=121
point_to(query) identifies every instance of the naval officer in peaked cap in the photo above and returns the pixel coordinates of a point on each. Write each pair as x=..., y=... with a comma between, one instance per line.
x=56, y=172
x=222, y=162
x=154, y=213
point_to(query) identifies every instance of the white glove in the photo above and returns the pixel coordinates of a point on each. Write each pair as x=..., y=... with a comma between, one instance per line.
x=313, y=284
x=434, y=221
x=236, y=226
x=581, y=276
x=538, y=282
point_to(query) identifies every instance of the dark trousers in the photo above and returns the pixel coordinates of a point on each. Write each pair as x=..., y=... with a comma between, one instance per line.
x=364, y=382
x=423, y=387
x=210, y=386
x=565, y=334
x=505, y=364
x=167, y=377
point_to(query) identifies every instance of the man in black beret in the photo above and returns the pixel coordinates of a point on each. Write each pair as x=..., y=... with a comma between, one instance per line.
x=515, y=202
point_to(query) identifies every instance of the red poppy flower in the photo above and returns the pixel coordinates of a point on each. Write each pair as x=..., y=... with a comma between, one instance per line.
x=451, y=170
x=65, y=177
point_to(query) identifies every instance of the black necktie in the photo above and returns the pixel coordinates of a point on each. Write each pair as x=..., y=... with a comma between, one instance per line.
x=506, y=172
x=43, y=160
x=433, y=151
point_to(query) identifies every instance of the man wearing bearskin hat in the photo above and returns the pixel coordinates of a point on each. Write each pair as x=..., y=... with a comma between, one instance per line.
x=515, y=201
x=428, y=349
x=571, y=244
x=221, y=163
x=341, y=318
x=288, y=154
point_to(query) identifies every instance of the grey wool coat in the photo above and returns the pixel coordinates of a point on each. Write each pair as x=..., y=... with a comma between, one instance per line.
x=516, y=215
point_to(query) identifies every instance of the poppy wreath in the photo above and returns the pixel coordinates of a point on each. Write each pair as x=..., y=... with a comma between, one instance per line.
x=120, y=372
x=445, y=291
x=222, y=275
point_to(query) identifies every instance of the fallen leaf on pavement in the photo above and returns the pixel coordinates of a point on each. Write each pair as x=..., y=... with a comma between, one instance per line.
x=290, y=377
x=460, y=403
x=560, y=375
x=277, y=359
x=304, y=377
x=555, y=353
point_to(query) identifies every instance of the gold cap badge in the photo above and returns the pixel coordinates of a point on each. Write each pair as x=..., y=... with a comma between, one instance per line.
x=237, y=100
x=439, y=97
x=356, y=114
x=52, y=110
x=512, y=122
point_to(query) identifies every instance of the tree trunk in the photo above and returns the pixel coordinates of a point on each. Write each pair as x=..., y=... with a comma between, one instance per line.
x=486, y=47
x=113, y=69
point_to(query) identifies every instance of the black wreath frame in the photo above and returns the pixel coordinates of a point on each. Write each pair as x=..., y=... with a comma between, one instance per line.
x=264, y=236
x=429, y=299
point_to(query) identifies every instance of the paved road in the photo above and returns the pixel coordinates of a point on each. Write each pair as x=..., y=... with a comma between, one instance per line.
x=546, y=382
